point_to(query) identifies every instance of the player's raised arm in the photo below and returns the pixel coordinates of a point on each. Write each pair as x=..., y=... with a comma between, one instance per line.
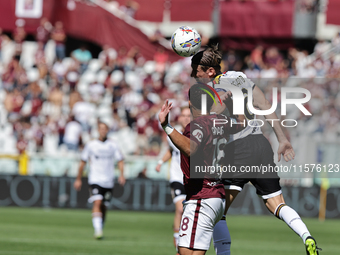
x=285, y=147
x=180, y=141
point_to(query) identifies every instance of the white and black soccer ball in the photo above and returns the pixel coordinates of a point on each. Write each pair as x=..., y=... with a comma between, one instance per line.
x=186, y=41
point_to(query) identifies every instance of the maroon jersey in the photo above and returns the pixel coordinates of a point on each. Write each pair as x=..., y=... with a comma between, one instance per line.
x=210, y=133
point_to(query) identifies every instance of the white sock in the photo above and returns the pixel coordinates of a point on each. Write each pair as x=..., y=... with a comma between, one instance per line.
x=293, y=220
x=222, y=239
x=97, y=221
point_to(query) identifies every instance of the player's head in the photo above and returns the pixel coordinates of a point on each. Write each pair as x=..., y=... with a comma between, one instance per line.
x=195, y=97
x=103, y=129
x=207, y=63
x=184, y=118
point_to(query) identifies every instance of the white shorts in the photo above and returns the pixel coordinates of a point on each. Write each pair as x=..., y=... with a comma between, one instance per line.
x=198, y=221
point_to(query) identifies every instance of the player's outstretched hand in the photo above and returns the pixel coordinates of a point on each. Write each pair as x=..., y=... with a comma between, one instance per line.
x=121, y=180
x=286, y=149
x=164, y=113
x=77, y=184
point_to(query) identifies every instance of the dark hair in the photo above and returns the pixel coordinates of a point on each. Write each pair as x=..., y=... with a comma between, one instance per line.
x=195, y=95
x=210, y=57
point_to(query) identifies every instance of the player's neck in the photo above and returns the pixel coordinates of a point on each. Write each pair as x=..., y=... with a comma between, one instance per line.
x=102, y=139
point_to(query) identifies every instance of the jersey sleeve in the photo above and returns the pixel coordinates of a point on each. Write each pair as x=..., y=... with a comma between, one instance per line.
x=85, y=153
x=197, y=132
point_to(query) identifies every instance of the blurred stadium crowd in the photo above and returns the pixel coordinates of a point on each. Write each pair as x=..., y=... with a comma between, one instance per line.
x=51, y=103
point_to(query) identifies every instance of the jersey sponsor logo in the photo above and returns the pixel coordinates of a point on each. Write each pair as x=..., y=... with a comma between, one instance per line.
x=217, y=130
x=182, y=235
x=239, y=81
x=212, y=184
x=198, y=134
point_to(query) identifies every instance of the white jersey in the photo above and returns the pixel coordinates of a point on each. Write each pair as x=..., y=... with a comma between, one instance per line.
x=101, y=156
x=176, y=174
x=240, y=80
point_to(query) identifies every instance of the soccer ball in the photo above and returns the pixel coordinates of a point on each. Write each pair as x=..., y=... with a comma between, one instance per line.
x=186, y=41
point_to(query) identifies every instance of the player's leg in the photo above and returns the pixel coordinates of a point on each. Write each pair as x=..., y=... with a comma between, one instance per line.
x=177, y=220
x=178, y=196
x=270, y=191
x=103, y=210
x=197, y=224
x=187, y=251
x=97, y=219
x=221, y=235
x=293, y=220
x=107, y=195
x=97, y=197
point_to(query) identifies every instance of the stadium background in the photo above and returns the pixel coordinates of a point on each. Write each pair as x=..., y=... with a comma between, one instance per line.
x=131, y=70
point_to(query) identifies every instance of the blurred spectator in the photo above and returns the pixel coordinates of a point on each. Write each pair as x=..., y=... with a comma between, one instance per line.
x=121, y=59
x=83, y=112
x=72, y=76
x=108, y=56
x=157, y=35
x=256, y=57
x=40, y=60
x=43, y=31
x=59, y=70
x=72, y=135
x=97, y=91
x=321, y=47
x=19, y=36
x=272, y=57
x=161, y=58
x=13, y=103
x=231, y=61
x=3, y=39
x=130, y=8
x=59, y=37
x=82, y=56
x=307, y=6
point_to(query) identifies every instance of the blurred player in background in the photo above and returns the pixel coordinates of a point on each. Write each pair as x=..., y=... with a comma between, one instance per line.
x=102, y=154
x=250, y=147
x=176, y=175
x=204, y=205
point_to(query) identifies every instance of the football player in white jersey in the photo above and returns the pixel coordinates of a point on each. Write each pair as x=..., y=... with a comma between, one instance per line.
x=176, y=175
x=101, y=154
x=250, y=147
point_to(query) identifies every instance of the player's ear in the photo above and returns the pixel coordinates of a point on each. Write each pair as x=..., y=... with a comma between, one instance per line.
x=211, y=72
